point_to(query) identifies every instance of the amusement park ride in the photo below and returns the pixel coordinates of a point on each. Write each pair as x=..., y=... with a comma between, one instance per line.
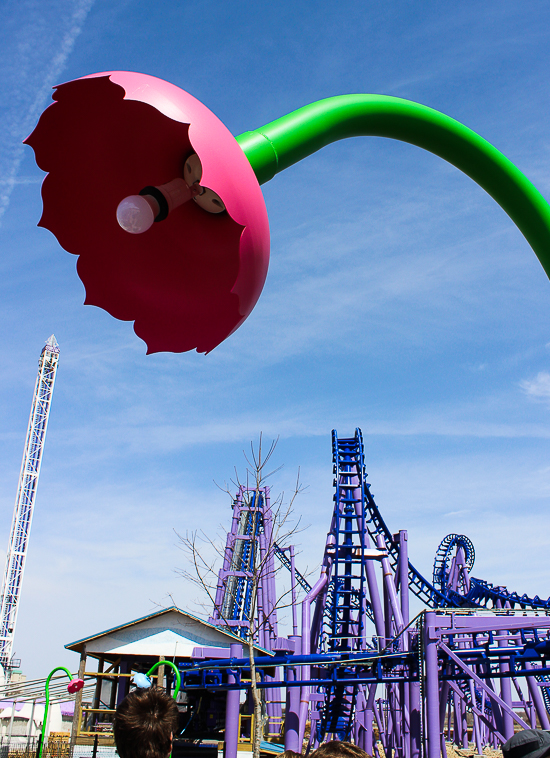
x=465, y=669
x=179, y=245
x=24, y=503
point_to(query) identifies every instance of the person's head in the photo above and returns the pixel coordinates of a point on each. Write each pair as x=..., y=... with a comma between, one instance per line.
x=529, y=743
x=337, y=749
x=144, y=723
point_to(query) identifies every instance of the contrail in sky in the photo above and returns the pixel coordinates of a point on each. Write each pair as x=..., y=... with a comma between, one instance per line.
x=36, y=39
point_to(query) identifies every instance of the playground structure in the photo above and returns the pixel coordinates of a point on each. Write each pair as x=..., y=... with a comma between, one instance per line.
x=465, y=669
x=24, y=503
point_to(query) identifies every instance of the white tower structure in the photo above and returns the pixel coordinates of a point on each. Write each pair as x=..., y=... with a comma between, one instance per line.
x=24, y=503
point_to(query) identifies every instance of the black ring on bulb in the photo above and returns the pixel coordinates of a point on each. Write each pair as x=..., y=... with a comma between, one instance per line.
x=161, y=200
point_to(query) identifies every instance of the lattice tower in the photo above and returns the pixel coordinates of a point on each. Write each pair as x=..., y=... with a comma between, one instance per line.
x=24, y=503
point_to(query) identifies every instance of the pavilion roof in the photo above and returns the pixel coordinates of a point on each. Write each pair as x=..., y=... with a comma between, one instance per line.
x=170, y=632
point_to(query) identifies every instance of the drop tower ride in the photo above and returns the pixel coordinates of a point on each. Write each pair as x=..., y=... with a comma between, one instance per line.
x=24, y=503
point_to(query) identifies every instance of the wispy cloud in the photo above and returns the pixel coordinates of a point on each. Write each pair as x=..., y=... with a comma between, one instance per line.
x=407, y=266
x=539, y=387
x=34, y=57
x=153, y=432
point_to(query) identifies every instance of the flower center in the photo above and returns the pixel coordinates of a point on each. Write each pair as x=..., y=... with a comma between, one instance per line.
x=137, y=213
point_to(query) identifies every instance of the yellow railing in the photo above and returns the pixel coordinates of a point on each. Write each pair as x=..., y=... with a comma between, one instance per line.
x=246, y=717
x=105, y=728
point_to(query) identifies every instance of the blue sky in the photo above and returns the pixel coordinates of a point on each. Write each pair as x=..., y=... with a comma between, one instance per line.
x=400, y=299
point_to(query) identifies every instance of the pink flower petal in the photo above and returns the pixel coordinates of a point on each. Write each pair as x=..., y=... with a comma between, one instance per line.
x=190, y=280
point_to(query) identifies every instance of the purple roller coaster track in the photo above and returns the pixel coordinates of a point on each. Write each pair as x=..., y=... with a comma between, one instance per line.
x=466, y=669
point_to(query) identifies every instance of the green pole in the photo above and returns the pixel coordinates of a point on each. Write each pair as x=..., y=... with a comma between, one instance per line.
x=47, y=705
x=172, y=666
x=279, y=144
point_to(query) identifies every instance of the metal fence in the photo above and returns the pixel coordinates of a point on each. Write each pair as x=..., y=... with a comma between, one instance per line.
x=14, y=748
x=87, y=751
x=53, y=749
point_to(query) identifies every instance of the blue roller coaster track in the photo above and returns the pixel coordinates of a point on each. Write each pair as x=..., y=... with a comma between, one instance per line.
x=235, y=607
x=346, y=608
x=443, y=559
x=482, y=594
x=356, y=524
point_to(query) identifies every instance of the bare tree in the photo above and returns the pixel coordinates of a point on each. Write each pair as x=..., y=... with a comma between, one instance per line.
x=259, y=538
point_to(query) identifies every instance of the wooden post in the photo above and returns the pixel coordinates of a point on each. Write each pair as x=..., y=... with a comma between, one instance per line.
x=78, y=699
x=123, y=686
x=160, y=673
x=98, y=684
x=114, y=683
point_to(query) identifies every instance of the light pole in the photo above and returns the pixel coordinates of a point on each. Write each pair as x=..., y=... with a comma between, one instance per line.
x=74, y=686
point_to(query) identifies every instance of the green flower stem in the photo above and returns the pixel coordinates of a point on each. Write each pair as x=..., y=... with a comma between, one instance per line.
x=174, y=668
x=62, y=668
x=47, y=705
x=278, y=145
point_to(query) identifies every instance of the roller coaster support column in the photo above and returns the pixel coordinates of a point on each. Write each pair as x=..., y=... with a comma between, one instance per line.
x=432, y=685
x=375, y=597
x=506, y=692
x=475, y=719
x=306, y=640
x=403, y=570
x=461, y=728
x=403, y=574
x=415, y=721
x=536, y=697
x=412, y=732
x=232, y=708
x=394, y=626
x=292, y=722
x=293, y=592
x=292, y=718
x=362, y=723
x=443, y=698
x=393, y=609
x=369, y=721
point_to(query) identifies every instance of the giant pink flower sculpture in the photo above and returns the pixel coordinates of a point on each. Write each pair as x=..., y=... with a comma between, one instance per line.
x=189, y=281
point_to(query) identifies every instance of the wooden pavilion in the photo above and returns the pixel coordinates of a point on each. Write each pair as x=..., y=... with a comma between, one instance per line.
x=169, y=634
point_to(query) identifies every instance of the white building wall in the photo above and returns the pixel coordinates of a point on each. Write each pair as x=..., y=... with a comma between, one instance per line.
x=21, y=720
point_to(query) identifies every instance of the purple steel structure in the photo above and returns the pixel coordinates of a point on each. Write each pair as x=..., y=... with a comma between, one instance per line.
x=464, y=670
x=349, y=609
x=246, y=598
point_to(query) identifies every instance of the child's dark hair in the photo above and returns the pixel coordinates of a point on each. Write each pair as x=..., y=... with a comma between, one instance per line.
x=337, y=749
x=144, y=723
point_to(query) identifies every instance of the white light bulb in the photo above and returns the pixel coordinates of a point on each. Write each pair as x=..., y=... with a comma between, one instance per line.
x=135, y=213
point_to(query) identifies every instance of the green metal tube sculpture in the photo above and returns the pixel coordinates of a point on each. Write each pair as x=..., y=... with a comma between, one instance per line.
x=174, y=668
x=279, y=144
x=74, y=686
